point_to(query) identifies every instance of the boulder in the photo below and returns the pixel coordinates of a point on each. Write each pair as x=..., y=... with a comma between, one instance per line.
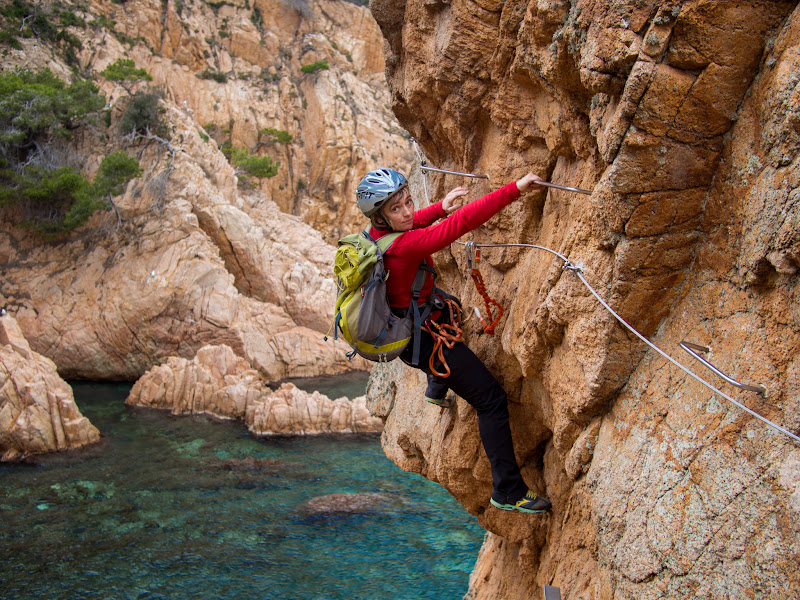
x=215, y=382
x=38, y=412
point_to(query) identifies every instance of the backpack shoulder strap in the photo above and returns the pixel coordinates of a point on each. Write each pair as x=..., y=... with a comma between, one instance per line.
x=384, y=242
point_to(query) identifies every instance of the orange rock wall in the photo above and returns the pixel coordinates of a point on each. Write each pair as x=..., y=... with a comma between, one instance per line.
x=682, y=119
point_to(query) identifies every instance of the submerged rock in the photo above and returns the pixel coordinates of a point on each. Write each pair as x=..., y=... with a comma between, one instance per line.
x=37, y=409
x=366, y=503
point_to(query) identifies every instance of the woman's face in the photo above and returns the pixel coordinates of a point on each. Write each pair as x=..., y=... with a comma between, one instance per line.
x=398, y=212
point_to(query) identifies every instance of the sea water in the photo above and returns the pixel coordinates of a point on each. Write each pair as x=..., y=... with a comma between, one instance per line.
x=194, y=507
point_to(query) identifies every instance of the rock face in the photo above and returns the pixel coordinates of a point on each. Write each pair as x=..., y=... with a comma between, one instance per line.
x=37, y=410
x=219, y=383
x=198, y=256
x=682, y=119
x=238, y=68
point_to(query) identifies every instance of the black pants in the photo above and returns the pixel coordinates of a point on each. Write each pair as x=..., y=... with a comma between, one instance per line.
x=470, y=379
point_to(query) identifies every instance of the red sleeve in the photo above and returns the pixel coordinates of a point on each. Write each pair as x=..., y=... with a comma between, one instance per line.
x=428, y=215
x=416, y=244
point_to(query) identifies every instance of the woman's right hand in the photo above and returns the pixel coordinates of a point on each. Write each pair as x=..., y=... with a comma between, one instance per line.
x=452, y=202
x=524, y=184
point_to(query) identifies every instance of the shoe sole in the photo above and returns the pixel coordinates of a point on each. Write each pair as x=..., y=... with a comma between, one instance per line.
x=442, y=405
x=509, y=507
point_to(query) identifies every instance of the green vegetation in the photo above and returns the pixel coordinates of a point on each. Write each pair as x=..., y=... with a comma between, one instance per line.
x=217, y=76
x=115, y=172
x=256, y=166
x=22, y=19
x=102, y=21
x=35, y=107
x=276, y=136
x=257, y=18
x=38, y=115
x=142, y=114
x=314, y=67
x=124, y=69
x=215, y=6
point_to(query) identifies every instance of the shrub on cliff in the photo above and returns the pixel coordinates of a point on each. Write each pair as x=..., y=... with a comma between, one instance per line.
x=38, y=107
x=39, y=173
x=256, y=166
x=28, y=20
x=124, y=69
x=142, y=114
x=316, y=66
x=56, y=200
x=275, y=136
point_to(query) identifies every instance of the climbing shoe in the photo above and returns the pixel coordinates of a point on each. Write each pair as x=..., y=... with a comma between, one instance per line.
x=529, y=503
x=440, y=402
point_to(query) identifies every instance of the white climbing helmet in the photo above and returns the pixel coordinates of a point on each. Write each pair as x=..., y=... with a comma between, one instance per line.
x=376, y=187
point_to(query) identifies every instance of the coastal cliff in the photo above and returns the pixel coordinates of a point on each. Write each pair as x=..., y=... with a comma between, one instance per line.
x=681, y=119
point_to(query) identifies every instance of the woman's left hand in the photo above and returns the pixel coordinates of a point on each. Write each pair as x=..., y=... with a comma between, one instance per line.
x=452, y=202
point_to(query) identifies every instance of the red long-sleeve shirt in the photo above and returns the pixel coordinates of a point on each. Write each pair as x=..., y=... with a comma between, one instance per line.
x=406, y=253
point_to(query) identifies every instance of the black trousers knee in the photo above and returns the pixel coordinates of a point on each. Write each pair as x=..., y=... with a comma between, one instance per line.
x=470, y=379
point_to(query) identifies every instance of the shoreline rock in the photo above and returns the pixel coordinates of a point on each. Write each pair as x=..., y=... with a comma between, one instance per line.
x=220, y=383
x=38, y=412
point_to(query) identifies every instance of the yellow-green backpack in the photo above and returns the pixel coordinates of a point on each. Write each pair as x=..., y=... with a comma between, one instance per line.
x=362, y=314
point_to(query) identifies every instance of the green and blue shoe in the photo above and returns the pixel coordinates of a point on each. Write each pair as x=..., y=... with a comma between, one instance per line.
x=440, y=402
x=529, y=503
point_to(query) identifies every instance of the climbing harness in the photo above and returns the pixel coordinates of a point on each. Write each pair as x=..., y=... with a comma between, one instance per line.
x=577, y=270
x=473, y=258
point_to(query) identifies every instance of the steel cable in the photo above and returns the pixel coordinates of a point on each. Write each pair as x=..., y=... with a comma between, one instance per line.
x=578, y=271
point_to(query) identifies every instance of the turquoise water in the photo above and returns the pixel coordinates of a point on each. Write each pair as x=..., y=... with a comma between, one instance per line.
x=191, y=507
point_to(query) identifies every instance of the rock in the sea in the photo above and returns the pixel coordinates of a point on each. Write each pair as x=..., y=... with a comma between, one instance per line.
x=290, y=410
x=37, y=409
x=215, y=381
x=218, y=382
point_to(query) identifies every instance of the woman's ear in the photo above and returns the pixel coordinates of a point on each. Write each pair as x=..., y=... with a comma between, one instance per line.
x=378, y=221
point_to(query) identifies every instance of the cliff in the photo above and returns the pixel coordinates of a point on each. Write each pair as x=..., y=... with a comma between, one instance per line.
x=194, y=252
x=681, y=118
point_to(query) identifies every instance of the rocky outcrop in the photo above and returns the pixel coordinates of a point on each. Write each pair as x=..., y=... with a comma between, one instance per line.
x=219, y=383
x=215, y=382
x=37, y=410
x=681, y=117
x=290, y=411
x=196, y=263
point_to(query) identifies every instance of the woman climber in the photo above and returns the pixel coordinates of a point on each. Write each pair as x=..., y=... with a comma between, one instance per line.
x=384, y=198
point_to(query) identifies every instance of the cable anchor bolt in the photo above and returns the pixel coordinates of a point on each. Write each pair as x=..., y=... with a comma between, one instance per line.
x=575, y=268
